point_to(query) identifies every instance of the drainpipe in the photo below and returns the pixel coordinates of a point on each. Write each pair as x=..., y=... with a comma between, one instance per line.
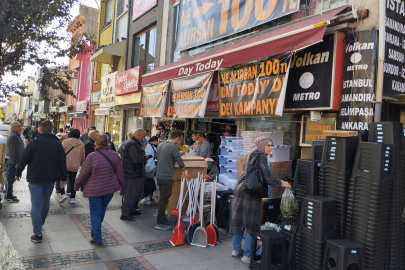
x=165, y=26
x=380, y=62
x=128, y=23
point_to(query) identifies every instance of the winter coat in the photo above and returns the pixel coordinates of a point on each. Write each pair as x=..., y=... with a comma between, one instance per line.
x=75, y=158
x=89, y=146
x=133, y=159
x=84, y=137
x=97, y=175
x=14, y=148
x=246, y=208
x=45, y=158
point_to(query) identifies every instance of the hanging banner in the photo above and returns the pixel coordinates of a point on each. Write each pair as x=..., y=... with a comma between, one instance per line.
x=188, y=97
x=310, y=86
x=154, y=99
x=356, y=105
x=128, y=81
x=212, y=103
x=252, y=89
x=394, y=69
x=203, y=21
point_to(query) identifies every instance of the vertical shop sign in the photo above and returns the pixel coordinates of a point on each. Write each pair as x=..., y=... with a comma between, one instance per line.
x=107, y=90
x=252, y=89
x=203, y=21
x=188, y=97
x=394, y=69
x=356, y=106
x=153, y=100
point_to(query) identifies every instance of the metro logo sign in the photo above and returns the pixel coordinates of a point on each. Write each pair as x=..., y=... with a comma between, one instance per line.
x=203, y=21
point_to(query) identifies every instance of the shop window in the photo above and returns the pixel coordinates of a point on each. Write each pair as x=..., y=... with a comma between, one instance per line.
x=144, y=50
x=108, y=12
x=121, y=7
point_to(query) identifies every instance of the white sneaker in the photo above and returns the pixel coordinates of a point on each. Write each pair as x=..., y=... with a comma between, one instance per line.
x=236, y=253
x=64, y=198
x=145, y=201
x=246, y=259
x=72, y=201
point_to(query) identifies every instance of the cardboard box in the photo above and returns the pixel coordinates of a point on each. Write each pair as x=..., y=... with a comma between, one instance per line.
x=281, y=170
x=194, y=165
x=340, y=133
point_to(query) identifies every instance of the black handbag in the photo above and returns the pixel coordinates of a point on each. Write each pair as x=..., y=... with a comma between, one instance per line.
x=254, y=184
x=150, y=186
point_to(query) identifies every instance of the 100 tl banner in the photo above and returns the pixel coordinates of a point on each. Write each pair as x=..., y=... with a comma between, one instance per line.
x=189, y=96
x=253, y=89
x=154, y=99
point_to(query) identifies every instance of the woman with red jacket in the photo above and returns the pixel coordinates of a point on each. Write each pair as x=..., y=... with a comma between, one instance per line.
x=101, y=175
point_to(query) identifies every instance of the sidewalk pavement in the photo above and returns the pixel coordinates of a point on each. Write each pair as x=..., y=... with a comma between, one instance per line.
x=126, y=245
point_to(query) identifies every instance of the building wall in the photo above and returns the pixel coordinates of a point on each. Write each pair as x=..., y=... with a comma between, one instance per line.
x=371, y=22
x=106, y=36
x=153, y=16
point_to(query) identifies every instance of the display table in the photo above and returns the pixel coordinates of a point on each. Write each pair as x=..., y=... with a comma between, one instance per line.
x=194, y=165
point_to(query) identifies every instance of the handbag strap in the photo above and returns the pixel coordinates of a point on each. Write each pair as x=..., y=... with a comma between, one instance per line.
x=109, y=161
x=69, y=150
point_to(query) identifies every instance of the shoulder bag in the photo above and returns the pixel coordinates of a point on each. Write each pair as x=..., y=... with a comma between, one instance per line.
x=254, y=184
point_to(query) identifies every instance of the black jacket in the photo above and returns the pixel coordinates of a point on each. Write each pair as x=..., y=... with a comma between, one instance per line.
x=45, y=158
x=133, y=159
x=89, y=146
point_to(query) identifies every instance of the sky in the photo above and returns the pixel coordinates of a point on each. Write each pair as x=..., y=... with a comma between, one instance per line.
x=30, y=70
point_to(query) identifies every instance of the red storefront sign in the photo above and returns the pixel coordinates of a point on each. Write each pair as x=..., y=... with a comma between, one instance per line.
x=140, y=7
x=128, y=81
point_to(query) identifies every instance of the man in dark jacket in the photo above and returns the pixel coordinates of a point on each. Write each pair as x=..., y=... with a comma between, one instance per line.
x=133, y=161
x=46, y=161
x=14, y=150
x=86, y=135
x=90, y=143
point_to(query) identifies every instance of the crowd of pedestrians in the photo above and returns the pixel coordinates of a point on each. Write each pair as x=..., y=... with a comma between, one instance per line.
x=89, y=162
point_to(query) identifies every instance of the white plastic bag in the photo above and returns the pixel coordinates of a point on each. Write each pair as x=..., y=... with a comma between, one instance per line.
x=289, y=205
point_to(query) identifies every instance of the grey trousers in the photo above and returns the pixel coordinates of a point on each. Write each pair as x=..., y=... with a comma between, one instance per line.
x=132, y=192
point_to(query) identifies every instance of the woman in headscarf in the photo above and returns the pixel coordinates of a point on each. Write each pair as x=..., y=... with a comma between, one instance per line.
x=110, y=143
x=246, y=207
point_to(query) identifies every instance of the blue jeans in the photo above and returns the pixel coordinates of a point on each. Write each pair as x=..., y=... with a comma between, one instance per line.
x=40, y=196
x=10, y=180
x=98, y=206
x=237, y=243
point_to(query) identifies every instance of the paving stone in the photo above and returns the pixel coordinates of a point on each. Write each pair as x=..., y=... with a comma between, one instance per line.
x=117, y=253
x=60, y=260
x=107, y=238
x=129, y=264
x=113, y=207
x=73, y=205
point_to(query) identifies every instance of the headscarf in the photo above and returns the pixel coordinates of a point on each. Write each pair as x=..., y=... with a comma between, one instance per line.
x=75, y=133
x=260, y=143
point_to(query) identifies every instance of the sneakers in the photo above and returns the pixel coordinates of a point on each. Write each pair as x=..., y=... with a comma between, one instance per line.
x=58, y=190
x=163, y=227
x=36, y=238
x=72, y=201
x=145, y=201
x=236, y=253
x=245, y=259
x=64, y=198
x=130, y=218
x=95, y=243
x=13, y=200
x=68, y=191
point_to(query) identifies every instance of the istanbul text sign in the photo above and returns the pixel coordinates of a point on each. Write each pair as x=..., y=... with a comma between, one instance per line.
x=252, y=89
x=203, y=21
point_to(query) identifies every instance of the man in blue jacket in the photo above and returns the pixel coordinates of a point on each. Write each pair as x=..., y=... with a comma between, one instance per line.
x=46, y=162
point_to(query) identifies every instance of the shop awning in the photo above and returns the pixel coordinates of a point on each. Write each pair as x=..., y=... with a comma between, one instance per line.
x=102, y=111
x=291, y=37
x=105, y=54
x=76, y=115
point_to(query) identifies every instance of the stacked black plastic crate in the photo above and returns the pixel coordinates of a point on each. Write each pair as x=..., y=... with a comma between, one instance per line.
x=334, y=174
x=306, y=179
x=222, y=209
x=316, y=225
x=369, y=204
x=392, y=133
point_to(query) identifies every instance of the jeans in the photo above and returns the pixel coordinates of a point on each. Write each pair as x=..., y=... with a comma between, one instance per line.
x=165, y=187
x=70, y=183
x=40, y=196
x=62, y=190
x=98, y=206
x=10, y=180
x=237, y=243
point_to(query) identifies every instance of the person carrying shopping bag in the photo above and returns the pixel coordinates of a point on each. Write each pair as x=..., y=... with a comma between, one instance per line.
x=101, y=175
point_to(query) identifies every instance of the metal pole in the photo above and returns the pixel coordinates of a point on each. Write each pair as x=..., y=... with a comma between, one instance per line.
x=380, y=62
